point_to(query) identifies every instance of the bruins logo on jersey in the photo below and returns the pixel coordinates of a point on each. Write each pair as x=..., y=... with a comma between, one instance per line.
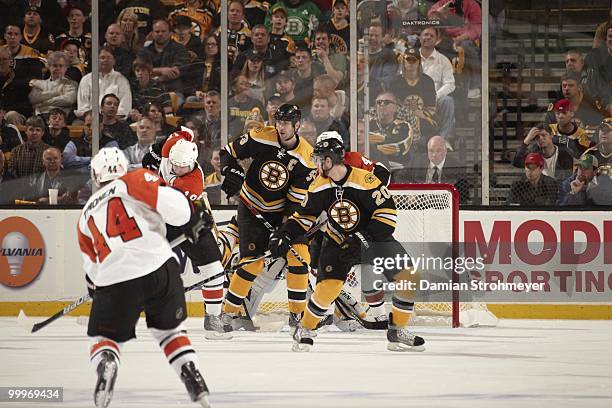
x=414, y=103
x=274, y=175
x=345, y=213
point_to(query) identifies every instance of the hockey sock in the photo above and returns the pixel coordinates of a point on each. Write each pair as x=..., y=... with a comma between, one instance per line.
x=100, y=344
x=297, y=279
x=325, y=293
x=176, y=346
x=403, y=300
x=212, y=291
x=227, y=241
x=240, y=284
x=376, y=301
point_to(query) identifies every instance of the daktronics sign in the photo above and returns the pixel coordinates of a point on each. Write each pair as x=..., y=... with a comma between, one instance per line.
x=570, y=253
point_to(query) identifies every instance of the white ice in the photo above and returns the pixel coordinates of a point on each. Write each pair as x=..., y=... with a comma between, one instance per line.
x=520, y=363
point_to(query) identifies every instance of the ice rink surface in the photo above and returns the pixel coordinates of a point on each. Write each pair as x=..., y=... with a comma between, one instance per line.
x=520, y=363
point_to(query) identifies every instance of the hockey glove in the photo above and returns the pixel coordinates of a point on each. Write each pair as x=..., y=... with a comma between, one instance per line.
x=199, y=224
x=279, y=244
x=91, y=288
x=152, y=159
x=351, y=247
x=234, y=177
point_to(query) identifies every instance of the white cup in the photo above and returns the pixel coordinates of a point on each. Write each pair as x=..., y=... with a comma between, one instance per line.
x=53, y=196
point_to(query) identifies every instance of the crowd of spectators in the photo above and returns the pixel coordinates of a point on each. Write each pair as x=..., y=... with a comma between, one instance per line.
x=160, y=68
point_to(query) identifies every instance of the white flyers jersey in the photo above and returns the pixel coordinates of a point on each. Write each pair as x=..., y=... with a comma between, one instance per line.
x=122, y=229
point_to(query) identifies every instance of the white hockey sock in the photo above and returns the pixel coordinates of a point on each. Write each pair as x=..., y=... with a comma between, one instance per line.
x=176, y=346
x=212, y=291
x=99, y=344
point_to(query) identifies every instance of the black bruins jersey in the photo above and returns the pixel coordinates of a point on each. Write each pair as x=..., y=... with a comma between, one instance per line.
x=277, y=180
x=358, y=202
x=604, y=160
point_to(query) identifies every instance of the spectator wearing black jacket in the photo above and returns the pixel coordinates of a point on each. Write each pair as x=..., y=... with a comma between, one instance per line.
x=534, y=188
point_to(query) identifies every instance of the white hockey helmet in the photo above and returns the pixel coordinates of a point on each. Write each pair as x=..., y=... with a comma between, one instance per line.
x=329, y=134
x=109, y=164
x=183, y=153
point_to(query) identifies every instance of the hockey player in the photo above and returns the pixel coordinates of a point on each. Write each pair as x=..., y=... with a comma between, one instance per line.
x=179, y=168
x=361, y=212
x=275, y=184
x=130, y=267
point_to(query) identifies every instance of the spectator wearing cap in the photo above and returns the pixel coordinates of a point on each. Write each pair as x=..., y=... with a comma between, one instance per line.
x=566, y=132
x=110, y=81
x=124, y=57
x=279, y=40
x=285, y=87
x=534, y=188
x=558, y=160
x=26, y=158
x=586, y=186
x=13, y=91
x=78, y=62
x=27, y=61
x=57, y=91
x=334, y=63
x=76, y=33
x=34, y=34
x=602, y=151
x=57, y=133
x=586, y=110
x=417, y=94
x=182, y=28
x=240, y=105
x=598, y=68
x=55, y=19
x=146, y=89
x=198, y=15
x=338, y=26
x=439, y=68
x=303, y=16
x=253, y=70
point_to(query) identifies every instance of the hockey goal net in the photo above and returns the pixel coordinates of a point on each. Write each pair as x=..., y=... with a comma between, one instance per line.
x=427, y=214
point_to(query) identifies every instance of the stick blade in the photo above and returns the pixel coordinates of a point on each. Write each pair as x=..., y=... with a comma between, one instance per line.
x=24, y=321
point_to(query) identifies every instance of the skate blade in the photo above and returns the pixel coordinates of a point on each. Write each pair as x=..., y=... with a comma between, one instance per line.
x=403, y=347
x=301, y=348
x=213, y=335
x=103, y=397
x=203, y=400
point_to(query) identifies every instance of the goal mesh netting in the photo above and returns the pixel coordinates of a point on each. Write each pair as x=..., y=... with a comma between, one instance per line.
x=427, y=213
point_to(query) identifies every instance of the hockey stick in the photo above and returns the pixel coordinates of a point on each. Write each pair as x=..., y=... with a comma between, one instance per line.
x=23, y=320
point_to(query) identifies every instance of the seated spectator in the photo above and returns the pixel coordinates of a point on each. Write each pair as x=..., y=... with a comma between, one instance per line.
x=253, y=121
x=274, y=101
x=324, y=86
x=55, y=19
x=438, y=67
x=200, y=15
x=128, y=21
x=54, y=177
x=255, y=11
x=147, y=11
x=586, y=186
x=338, y=26
x=146, y=89
x=253, y=70
x=28, y=63
x=10, y=137
x=35, y=34
x=598, y=68
x=13, y=91
x=574, y=62
x=154, y=111
x=212, y=119
x=182, y=34
x=238, y=31
x=26, y=159
x=534, y=188
x=110, y=81
x=390, y=138
x=274, y=61
x=334, y=63
x=56, y=92
x=57, y=133
x=213, y=181
x=308, y=131
x=124, y=57
x=304, y=74
x=417, y=95
x=279, y=40
x=382, y=60
x=114, y=127
x=558, y=160
x=603, y=149
x=302, y=14
x=170, y=60
x=240, y=105
x=212, y=64
x=437, y=167
x=320, y=116
x=76, y=34
x=145, y=132
x=566, y=133
x=77, y=153
x=586, y=110
x=285, y=87
x=78, y=62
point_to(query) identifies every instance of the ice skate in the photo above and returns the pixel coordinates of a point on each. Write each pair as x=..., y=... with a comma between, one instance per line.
x=302, y=339
x=107, y=374
x=401, y=339
x=195, y=385
x=214, y=329
x=243, y=322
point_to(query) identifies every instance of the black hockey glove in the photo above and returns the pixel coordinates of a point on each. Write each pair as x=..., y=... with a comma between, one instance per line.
x=152, y=159
x=232, y=183
x=91, y=288
x=351, y=247
x=199, y=224
x=279, y=244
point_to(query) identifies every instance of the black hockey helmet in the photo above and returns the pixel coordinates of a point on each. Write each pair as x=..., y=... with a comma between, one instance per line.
x=329, y=144
x=289, y=113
